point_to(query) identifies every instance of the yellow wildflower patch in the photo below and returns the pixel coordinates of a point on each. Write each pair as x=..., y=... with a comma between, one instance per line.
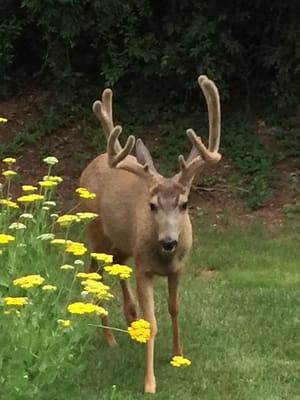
x=140, y=331
x=107, y=258
x=89, y=275
x=9, y=203
x=29, y=188
x=29, y=281
x=47, y=184
x=5, y=239
x=76, y=248
x=179, y=361
x=16, y=301
x=122, y=271
x=86, y=308
x=3, y=120
x=57, y=179
x=49, y=288
x=85, y=194
x=86, y=216
x=9, y=173
x=9, y=160
x=101, y=291
x=67, y=219
x=30, y=198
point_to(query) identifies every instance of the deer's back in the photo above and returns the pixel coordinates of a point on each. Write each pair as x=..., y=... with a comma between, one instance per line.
x=118, y=196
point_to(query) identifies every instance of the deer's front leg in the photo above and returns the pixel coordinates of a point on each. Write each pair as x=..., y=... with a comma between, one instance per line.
x=146, y=300
x=173, y=281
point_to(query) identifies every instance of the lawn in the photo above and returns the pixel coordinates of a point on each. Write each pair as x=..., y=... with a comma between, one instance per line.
x=240, y=326
x=241, y=329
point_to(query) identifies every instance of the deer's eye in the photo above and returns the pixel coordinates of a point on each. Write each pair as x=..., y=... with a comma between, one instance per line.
x=183, y=206
x=153, y=207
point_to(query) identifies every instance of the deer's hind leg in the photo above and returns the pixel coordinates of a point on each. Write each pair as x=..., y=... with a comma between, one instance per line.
x=129, y=303
x=99, y=243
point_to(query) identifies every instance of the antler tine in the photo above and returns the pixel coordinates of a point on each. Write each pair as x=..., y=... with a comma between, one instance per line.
x=103, y=111
x=114, y=156
x=212, y=97
x=199, y=153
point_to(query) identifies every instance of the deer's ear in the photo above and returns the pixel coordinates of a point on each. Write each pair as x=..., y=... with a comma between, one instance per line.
x=143, y=155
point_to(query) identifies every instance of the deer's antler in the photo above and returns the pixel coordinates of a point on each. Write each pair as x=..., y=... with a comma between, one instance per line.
x=116, y=159
x=200, y=154
x=103, y=111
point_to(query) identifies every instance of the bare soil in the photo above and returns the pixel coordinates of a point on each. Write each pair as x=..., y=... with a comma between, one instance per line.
x=217, y=201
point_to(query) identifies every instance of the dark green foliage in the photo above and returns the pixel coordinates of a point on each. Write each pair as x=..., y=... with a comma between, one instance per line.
x=157, y=47
x=253, y=161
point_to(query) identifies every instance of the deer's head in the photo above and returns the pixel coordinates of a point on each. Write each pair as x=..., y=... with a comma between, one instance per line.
x=167, y=198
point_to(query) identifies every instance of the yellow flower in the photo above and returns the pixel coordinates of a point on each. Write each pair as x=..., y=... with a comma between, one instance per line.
x=16, y=301
x=50, y=160
x=101, y=291
x=30, y=198
x=8, y=203
x=66, y=267
x=92, y=275
x=179, y=361
x=9, y=160
x=76, y=248
x=66, y=323
x=3, y=120
x=86, y=216
x=29, y=188
x=47, y=184
x=4, y=239
x=29, y=281
x=86, y=308
x=107, y=258
x=9, y=173
x=85, y=194
x=140, y=331
x=123, y=271
x=57, y=179
x=67, y=219
x=49, y=288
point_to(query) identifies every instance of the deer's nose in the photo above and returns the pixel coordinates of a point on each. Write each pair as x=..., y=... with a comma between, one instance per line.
x=168, y=244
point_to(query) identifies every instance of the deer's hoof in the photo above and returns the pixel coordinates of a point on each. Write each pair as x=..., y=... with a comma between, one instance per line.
x=150, y=386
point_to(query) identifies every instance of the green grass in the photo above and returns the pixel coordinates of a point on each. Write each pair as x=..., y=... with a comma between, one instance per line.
x=241, y=330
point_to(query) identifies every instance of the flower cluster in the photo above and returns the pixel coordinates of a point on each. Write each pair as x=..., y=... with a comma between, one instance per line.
x=9, y=203
x=16, y=301
x=98, y=289
x=122, y=271
x=76, y=248
x=85, y=194
x=29, y=281
x=89, y=275
x=30, y=198
x=86, y=308
x=67, y=219
x=140, y=331
x=5, y=239
x=103, y=257
x=179, y=361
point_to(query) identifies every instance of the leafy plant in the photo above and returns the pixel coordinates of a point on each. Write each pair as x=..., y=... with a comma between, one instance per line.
x=253, y=161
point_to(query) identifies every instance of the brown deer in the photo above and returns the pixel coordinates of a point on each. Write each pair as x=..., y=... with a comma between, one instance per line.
x=145, y=215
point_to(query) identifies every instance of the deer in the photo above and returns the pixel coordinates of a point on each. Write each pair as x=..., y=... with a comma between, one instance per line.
x=145, y=215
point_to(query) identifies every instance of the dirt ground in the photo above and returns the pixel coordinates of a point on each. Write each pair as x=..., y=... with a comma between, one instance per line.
x=216, y=201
